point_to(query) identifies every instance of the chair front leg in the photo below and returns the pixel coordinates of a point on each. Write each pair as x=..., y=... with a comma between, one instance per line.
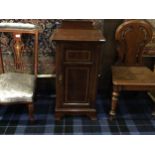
x=31, y=112
x=115, y=95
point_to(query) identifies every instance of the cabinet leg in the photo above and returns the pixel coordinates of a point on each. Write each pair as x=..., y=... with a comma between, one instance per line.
x=92, y=116
x=58, y=116
x=114, y=103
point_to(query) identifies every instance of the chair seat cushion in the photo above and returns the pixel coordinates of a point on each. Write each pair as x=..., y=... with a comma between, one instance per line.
x=139, y=76
x=16, y=87
x=17, y=25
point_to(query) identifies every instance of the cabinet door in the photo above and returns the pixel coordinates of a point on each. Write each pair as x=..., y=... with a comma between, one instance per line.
x=77, y=85
x=77, y=77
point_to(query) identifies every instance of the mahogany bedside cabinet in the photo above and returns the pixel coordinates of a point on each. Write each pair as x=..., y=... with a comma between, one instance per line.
x=78, y=48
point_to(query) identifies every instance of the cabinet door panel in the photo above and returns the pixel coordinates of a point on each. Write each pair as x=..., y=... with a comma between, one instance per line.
x=76, y=84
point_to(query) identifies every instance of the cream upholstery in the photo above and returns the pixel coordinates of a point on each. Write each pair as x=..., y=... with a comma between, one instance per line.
x=17, y=25
x=16, y=87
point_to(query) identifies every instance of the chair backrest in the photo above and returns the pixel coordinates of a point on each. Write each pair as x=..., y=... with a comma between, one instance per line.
x=131, y=38
x=19, y=60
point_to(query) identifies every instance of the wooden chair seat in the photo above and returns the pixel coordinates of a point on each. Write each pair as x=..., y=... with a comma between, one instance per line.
x=133, y=76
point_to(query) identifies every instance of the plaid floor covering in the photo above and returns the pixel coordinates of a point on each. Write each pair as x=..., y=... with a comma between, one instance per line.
x=133, y=117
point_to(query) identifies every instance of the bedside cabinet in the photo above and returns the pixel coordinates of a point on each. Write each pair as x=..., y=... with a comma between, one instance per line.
x=78, y=53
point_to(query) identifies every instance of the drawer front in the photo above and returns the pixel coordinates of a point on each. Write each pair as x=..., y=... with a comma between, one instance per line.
x=73, y=55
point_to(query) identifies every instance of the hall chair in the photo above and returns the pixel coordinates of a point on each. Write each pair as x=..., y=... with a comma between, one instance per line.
x=129, y=73
x=18, y=86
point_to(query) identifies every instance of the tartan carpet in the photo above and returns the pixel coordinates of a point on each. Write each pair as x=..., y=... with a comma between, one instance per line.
x=133, y=118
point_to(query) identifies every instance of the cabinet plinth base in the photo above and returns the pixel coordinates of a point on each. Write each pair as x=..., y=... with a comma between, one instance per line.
x=91, y=113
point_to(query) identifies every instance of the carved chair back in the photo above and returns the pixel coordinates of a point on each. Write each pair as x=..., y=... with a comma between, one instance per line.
x=19, y=60
x=131, y=38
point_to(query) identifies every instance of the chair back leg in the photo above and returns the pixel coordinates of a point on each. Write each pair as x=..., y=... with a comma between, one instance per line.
x=31, y=111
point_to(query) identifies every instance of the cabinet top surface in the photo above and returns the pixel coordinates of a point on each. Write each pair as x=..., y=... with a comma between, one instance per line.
x=78, y=35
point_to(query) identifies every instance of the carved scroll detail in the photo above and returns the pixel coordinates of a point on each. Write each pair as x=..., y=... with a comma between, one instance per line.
x=128, y=29
x=131, y=40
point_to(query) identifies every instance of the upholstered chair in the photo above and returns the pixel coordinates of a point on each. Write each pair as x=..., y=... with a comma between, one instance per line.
x=17, y=86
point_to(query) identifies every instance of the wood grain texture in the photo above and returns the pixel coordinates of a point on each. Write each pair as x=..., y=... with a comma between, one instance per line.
x=129, y=74
x=77, y=62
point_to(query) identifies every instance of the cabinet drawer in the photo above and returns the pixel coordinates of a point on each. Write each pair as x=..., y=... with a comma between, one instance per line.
x=78, y=55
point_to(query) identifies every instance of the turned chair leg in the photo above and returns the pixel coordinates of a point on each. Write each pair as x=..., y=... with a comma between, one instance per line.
x=31, y=111
x=114, y=103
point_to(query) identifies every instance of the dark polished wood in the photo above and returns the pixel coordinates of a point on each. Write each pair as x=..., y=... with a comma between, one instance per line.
x=81, y=35
x=77, y=67
x=18, y=46
x=129, y=74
